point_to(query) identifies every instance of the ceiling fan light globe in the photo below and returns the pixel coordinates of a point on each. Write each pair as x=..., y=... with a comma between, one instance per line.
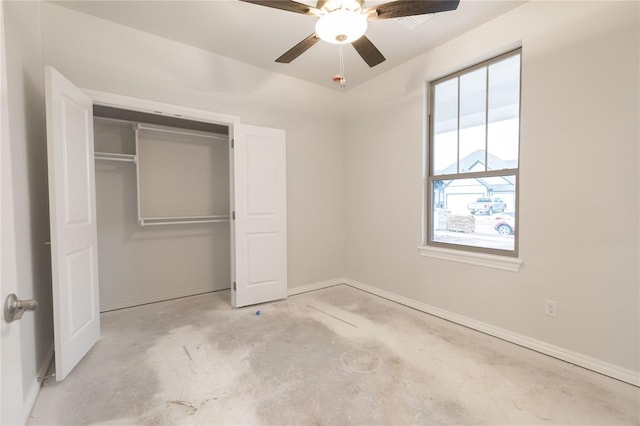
x=341, y=26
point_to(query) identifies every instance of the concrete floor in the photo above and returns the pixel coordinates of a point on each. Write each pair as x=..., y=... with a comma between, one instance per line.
x=334, y=356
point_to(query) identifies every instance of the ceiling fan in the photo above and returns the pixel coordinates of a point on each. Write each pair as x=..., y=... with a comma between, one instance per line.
x=345, y=22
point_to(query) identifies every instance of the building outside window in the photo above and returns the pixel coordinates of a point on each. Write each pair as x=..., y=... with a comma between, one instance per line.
x=473, y=156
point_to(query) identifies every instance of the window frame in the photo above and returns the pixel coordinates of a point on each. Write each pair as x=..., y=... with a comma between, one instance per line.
x=428, y=236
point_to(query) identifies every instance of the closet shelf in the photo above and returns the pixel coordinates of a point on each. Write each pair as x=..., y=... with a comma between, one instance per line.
x=111, y=156
x=181, y=132
x=182, y=220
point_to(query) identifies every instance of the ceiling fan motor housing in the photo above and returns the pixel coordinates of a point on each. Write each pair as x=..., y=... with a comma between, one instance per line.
x=353, y=5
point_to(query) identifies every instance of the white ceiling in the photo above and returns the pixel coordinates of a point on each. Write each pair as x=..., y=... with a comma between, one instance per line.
x=258, y=35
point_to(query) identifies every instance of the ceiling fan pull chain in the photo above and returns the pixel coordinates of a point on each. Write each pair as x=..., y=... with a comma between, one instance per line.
x=343, y=81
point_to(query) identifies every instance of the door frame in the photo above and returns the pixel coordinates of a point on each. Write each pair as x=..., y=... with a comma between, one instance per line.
x=188, y=113
x=159, y=108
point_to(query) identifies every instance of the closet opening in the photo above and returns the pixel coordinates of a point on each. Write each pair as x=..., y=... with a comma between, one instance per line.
x=166, y=209
x=163, y=206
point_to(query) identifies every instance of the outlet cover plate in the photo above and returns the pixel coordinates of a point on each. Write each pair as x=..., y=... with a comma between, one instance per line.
x=551, y=308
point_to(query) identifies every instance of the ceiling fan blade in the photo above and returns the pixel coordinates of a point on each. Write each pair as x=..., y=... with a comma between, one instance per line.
x=298, y=49
x=320, y=4
x=398, y=9
x=368, y=51
x=288, y=5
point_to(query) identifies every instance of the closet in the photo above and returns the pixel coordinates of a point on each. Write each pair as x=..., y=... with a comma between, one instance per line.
x=162, y=204
x=150, y=201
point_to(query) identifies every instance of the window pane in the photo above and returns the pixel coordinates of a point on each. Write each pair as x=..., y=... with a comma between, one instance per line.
x=445, y=127
x=475, y=212
x=473, y=105
x=504, y=113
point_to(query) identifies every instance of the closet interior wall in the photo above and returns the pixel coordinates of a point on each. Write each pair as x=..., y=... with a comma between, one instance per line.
x=162, y=199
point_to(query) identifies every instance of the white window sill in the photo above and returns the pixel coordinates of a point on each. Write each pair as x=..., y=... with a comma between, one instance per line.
x=504, y=263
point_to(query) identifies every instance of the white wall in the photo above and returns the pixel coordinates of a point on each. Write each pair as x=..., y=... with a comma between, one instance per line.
x=579, y=200
x=29, y=175
x=114, y=58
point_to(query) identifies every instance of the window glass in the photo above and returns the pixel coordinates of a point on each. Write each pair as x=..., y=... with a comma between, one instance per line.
x=463, y=214
x=504, y=113
x=473, y=106
x=445, y=125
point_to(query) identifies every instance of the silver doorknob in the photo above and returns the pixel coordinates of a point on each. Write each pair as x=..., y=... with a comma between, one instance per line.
x=14, y=308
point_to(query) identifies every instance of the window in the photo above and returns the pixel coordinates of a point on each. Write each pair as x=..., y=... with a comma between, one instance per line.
x=474, y=135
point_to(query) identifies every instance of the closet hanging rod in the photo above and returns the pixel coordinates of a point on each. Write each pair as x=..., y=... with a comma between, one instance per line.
x=181, y=132
x=181, y=222
x=128, y=158
x=216, y=216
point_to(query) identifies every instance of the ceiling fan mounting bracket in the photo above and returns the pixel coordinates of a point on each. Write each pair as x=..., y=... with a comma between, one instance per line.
x=332, y=5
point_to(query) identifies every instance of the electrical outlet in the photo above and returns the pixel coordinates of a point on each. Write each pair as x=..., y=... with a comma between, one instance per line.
x=551, y=308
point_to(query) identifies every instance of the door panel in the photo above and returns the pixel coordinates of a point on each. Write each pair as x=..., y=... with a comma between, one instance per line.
x=80, y=273
x=74, y=239
x=261, y=215
x=261, y=252
x=75, y=167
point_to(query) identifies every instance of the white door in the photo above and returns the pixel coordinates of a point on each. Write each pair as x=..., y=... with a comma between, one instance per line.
x=260, y=205
x=11, y=390
x=74, y=240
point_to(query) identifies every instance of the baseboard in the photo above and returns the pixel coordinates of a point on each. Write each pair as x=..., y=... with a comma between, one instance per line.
x=161, y=297
x=599, y=366
x=37, y=384
x=315, y=286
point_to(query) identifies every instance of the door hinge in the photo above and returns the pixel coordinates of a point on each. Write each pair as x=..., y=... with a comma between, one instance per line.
x=232, y=143
x=233, y=215
x=234, y=286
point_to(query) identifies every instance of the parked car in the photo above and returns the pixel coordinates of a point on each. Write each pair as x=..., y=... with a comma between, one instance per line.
x=487, y=205
x=505, y=224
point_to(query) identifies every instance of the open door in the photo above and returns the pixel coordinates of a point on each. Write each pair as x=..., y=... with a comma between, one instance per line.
x=74, y=240
x=260, y=206
x=12, y=406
